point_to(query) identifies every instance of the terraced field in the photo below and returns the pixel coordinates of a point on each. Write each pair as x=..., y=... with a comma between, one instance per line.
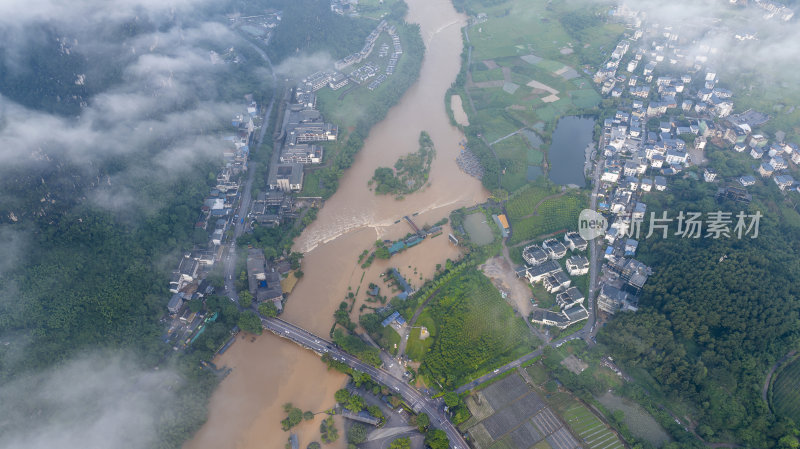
x=786, y=392
x=593, y=432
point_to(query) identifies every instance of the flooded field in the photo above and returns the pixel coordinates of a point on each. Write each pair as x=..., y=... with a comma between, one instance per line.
x=478, y=228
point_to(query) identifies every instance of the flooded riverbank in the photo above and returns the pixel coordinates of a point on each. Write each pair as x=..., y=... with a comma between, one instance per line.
x=246, y=410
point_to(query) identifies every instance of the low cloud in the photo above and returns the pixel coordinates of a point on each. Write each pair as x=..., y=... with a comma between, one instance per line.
x=709, y=29
x=96, y=401
x=156, y=122
x=304, y=65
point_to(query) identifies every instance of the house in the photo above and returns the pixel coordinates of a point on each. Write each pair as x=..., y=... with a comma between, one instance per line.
x=646, y=184
x=395, y=317
x=784, y=181
x=675, y=157
x=554, y=248
x=778, y=163
x=577, y=265
x=539, y=272
x=610, y=175
x=502, y=223
x=709, y=174
x=756, y=153
x=765, y=170
x=575, y=314
x=631, y=183
x=402, y=283
x=630, y=247
x=175, y=303
x=286, y=177
x=746, y=181
x=569, y=298
x=575, y=241
x=611, y=299
x=556, y=282
x=301, y=153
x=549, y=318
x=639, y=210
x=660, y=183
x=185, y=274
x=534, y=255
x=635, y=273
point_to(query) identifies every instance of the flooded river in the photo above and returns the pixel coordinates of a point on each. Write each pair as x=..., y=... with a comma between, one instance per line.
x=246, y=410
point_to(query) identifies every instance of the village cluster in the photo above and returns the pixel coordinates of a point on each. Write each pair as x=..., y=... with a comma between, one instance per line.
x=217, y=217
x=637, y=159
x=359, y=67
x=541, y=266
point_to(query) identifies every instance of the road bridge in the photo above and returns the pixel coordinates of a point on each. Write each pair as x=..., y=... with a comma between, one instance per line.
x=411, y=395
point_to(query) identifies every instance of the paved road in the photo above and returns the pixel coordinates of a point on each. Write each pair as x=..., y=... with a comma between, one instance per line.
x=413, y=397
x=240, y=226
x=594, y=254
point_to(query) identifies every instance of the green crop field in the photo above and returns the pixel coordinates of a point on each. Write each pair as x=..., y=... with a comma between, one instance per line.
x=786, y=392
x=523, y=202
x=592, y=431
x=552, y=215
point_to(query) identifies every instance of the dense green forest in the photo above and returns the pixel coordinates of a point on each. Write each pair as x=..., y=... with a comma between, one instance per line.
x=716, y=314
x=410, y=171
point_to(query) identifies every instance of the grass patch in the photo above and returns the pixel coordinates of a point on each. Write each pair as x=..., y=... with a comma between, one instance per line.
x=390, y=338
x=416, y=348
x=477, y=331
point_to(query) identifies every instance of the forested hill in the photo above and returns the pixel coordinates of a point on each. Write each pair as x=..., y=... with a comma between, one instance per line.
x=716, y=314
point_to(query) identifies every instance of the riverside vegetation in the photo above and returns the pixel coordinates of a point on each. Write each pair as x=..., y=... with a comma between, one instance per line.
x=410, y=172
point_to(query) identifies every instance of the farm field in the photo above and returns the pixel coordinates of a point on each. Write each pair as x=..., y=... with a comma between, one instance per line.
x=524, y=77
x=594, y=433
x=552, y=215
x=524, y=201
x=786, y=391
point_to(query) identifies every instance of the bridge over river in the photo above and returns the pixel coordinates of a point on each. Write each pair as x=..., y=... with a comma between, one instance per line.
x=414, y=398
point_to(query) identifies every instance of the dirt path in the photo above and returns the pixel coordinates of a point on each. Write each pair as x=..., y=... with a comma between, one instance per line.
x=539, y=238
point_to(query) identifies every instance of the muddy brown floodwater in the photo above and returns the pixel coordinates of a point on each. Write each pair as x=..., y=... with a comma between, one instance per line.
x=246, y=410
